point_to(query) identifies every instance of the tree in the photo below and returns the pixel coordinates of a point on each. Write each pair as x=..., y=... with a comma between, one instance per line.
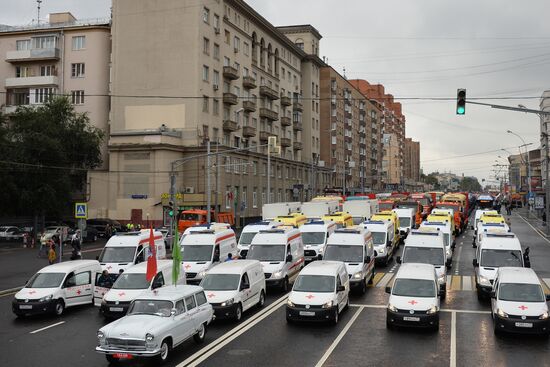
x=470, y=184
x=431, y=179
x=45, y=153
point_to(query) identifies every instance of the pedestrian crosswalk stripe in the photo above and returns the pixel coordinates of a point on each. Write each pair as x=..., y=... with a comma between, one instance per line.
x=385, y=280
x=456, y=283
x=377, y=278
x=467, y=283
x=449, y=278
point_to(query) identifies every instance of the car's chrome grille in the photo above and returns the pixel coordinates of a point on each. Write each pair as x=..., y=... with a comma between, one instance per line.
x=190, y=275
x=126, y=344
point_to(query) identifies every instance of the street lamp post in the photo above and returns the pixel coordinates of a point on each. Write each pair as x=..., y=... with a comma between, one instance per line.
x=528, y=167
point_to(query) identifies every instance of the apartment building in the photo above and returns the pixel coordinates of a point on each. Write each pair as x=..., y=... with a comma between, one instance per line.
x=544, y=132
x=411, y=164
x=191, y=72
x=60, y=56
x=391, y=170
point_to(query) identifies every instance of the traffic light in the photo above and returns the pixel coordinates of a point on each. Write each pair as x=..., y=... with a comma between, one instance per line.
x=461, y=102
x=171, y=209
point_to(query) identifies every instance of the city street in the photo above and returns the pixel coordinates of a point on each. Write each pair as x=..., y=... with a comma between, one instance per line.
x=264, y=338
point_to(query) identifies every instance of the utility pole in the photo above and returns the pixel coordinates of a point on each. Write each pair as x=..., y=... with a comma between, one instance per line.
x=208, y=187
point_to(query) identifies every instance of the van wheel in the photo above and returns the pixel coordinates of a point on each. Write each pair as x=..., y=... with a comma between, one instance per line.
x=59, y=307
x=239, y=313
x=201, y=333
x=371, y=279
x=389, y=325
x=165, y=348
x=261, y=302
x=285, y=286
x=335, y=317
x=387, y=260
x=363, y=289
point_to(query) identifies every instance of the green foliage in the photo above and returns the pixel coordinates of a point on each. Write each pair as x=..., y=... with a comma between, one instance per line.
x=45, y=152
x=470, y=184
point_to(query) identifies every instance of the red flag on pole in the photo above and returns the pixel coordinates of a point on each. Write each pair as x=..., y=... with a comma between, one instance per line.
x=151, y=258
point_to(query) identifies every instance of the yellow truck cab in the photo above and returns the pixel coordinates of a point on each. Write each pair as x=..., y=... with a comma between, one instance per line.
x=341, y=219
x=492, y=218
x=389, y=215
x=293, y=219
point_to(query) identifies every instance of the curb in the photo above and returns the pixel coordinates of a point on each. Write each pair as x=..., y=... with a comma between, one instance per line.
x=7, y=291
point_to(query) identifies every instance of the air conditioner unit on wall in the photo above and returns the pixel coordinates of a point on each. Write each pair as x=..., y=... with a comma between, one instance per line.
x=216, y=87
x=217, y=30
x=189, y=190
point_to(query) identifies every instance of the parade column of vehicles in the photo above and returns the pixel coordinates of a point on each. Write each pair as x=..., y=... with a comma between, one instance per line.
x=314, y=237
x=251, y=230
x=448, y=236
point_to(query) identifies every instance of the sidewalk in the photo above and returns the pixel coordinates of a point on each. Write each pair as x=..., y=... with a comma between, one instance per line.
x=532, y=219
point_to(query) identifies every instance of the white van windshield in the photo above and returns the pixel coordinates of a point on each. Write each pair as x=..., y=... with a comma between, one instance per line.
x=267, y=252
x=496, y=258
x=357, y=220
x=45, y=280
x=313, y=238
x=314, y=283
x=518, y=292
x=131, y=281
x=404, y=221
x=197, y=252
x=220, y=282
x=246, y=238
x=379, y=238
x=344, y=253
x=423, y=255
x=117, y=254
x=151, y=307
x=413, y=288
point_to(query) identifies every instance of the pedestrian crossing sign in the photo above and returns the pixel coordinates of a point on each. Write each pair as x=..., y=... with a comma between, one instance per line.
x=81, y=211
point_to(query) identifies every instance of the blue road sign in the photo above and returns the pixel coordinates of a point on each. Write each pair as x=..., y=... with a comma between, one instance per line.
x=81, y=211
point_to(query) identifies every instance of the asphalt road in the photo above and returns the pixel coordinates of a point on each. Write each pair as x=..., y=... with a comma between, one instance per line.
x=264, y=338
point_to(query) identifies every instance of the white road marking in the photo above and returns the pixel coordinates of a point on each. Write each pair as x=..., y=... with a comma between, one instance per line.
x=547, y=281
x=232, y=334
x=385, y=280
x=479, y=312
x=467, y=283
x=449, y=279
x=534, y=229
x=339, y=338
x=47, y=327
x=453, y=340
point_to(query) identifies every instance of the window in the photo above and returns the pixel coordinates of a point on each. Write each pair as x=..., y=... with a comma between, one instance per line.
x=245, y=71
x=243, y=198
x=47, y=70
x=226, y=61
x=228, y=197
x=215, y=134
x=190, y=303
x=236, y=43
x=205, y=73
x=216, y=21
x=205, y=104
x=44, y=42
x=206, y=15
x=180, y=308
x=206, y=46
x=216, y=107
x=263, y=197
x=201, y=298
x=22, y=71
x=23, y=45
x=227, y=37
x=78, y=70
x=216, y=51
x=255, y=168
x=83, y=278
x=79, y=43
x=77, y=97
x=42, y=95
x=300, y=45
x=246, y=48
x=255, y=198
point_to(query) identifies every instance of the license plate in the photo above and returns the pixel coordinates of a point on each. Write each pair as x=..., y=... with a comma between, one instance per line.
x=116, y=309
x=307, y=313
x=122, y=356
x=25, y=307
x=524, y=324
x=409, y=318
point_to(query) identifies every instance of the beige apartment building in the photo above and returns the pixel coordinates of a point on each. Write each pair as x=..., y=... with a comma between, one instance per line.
x=60, y=56
x=411, y=165
x=190, y=72
x=391, y=168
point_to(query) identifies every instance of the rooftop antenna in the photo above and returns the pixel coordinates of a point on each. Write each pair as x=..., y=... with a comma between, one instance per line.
x=345, y=73
x=38, y=2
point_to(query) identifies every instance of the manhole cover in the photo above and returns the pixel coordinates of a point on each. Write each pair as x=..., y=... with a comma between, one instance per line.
x=239, y=352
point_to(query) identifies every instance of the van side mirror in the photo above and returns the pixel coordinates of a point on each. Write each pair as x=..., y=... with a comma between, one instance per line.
x=475, y=263
x=388, y=243
x=448, y=262
x=156, y=285
x=245, y=286
x=319, y=257
x=340, y=288
x=289, y=258
x=398, y=259
x=547, y=297
x=367, y=259
x=216, y=258
x=388, y=289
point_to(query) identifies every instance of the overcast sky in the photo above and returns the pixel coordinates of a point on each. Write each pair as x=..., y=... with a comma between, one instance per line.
x=421, y=48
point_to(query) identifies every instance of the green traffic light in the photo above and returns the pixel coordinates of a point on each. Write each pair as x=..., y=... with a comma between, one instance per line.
x=171, y=213
x=460, y=110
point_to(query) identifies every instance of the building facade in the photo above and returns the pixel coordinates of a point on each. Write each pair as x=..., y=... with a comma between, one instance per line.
x=544, y=131
x=391, y=170
x=411, y=165
x=61, y=56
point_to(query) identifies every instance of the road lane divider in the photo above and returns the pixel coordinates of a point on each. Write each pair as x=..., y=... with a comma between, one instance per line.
x=339, y=338
x=385, y=280
x=47, y=327
x=467, y=283
x=453, y=340
x=534, y=229
x=7, y=292
x=456, y=283
x=219, y=343
x=377, y=277
x=546, y=285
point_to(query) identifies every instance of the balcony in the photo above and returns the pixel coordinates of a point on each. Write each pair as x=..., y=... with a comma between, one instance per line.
x=249, y=131
x=298, y=106
x=229, y=125
x=249, y=106
x=269, y=114
x=230, y=98
x=298, y=126
x=285, y=101
x=37, y=54
x=231, y=73
x=297, y=145
x=285, y=121
x=264, y=135
x=269, y=92
x=32, y=81
x=285, y=142
x=249, y=82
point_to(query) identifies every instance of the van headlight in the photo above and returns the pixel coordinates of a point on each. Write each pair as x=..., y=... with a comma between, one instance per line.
x=357, y=275
x=544, y=316
x=484, y=280
x=502, y=313
x=289, y=303
x=329, y=304
x=381, y=250
x=46, y=298
x=229, y=302
x=277, y=274
x=202, y=274
x=149, y=337
x=432, y=310
x=392, y=308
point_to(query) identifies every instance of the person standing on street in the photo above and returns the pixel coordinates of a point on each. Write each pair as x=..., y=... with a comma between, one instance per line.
x=108, y=230
x=52, y=256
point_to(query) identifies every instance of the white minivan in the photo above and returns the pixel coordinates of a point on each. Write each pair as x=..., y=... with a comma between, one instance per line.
x=129, y=248
x=133, y=283
x=281, y=252
x=414, y=297
x=407, y=221
x=493, y=251
x=234, y=287
x=202, y=247
x=251, y=230
x=518, y=302
x=448, y=236
x=383, y=237
x=56, y=287
x=426, y=246
x=354, y=247
x=314, y=236
x=320, y=293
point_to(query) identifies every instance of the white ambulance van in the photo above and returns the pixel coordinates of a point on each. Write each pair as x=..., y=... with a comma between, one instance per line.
x=406, y=221
x=204, y=246
x=315, y=210
x=234, y=287
x=314, y=237
x=281, y=252
x=360, y=210
x=133, y=283
x=384, y=239
x=274, y=210
x=56, y=287
x=483, y=228
x=251, y=230
x=354, y=247
x=129, y=248
x=448, y=236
